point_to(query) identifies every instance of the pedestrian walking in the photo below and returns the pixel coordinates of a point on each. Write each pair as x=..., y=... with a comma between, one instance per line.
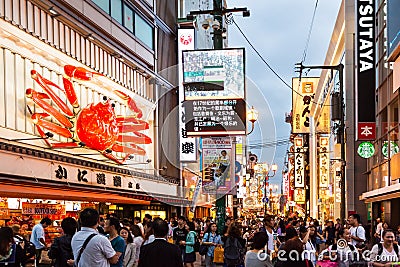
x=90, y=248
x=234, y=247
x=180, y=233
x=190, y=254
x=256, y=257
x=61, y=249
x=357, y=232
x=138, y=241
x=130, y=250
x=9, y=251
x=387, y=253
x=112, y=227
x=149, y=233
x=160, y=253
x=211, y=239
x=38, y=238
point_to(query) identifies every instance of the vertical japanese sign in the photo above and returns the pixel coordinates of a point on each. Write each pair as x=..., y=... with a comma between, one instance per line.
x=302, y=100
x=300, y=196
x=365, y=71
x=217, y=164
x=323, y=162
x=188, y=151
x=285, y=183
x=299, y=163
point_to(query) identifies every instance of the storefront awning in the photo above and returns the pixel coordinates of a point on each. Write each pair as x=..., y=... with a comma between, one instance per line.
x=60, y=193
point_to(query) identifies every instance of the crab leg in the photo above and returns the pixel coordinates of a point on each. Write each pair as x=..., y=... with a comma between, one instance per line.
x=70, y=93
x=128, y=128
x=138, y=139
x=37, y=119
x=38, y=99
x=130, y=119
x=113, y=158
x=130, y=103
x=129, y=150
x=80, y=73
x=45, y=84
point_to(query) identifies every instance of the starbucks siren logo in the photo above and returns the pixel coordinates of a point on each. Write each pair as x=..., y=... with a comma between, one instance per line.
x=366, y=150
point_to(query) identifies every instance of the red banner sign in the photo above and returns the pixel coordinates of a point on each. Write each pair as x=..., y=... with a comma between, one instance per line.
x=43, y=209
x=366, y=131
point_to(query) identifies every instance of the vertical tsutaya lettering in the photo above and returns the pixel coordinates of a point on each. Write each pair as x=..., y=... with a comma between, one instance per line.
x=365, y=30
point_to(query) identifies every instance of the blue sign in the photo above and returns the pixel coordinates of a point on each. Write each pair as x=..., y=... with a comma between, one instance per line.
x=265, y=200
x=238, y=167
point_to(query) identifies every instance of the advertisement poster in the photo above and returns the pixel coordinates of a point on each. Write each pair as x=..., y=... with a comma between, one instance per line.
x=216, y=160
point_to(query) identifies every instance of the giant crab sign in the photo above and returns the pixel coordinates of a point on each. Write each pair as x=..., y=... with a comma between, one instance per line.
x=95, y=126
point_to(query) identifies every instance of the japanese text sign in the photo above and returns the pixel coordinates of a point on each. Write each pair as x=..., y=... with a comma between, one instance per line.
x=42, y=209
x=302, y=100
x=299, y=163
x=323, y=162
x=366, y=131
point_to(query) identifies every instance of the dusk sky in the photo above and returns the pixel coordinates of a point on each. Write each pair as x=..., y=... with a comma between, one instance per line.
x=279, y=31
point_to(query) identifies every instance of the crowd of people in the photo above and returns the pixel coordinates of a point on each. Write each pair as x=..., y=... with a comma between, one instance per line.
x=268, y=241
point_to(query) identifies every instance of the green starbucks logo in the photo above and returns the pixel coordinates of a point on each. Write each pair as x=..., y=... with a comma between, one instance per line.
x=394, y=148
x=366, y=150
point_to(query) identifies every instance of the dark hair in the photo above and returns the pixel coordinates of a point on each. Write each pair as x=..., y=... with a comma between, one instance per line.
x=387, y=231
x=160, y=228
x=191, y=226
x=290, y=233
x=89, y=217
x=137, y=219
x=136, y=231
x=234, y=231
x=182, y=218
x=148, y=216
x=130, y=238
x=46, y=220
x=174, y=224
x=114, y=222
x=6, y=236
x=69, y=226
x=303, y=229
x=209, y=227
x=101, y=219
x=356, y=216
x=260, y=239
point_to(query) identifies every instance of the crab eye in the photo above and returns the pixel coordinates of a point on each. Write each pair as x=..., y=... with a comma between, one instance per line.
x=104, y=98
x=113, y=105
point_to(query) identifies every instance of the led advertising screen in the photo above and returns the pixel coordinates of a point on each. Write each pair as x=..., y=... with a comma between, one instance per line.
x=213, y=74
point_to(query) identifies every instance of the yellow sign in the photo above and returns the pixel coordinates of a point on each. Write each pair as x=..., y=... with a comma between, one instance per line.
x=239, y=149
x=300, y=196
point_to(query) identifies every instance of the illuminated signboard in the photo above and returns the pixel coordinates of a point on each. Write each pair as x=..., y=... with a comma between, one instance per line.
x=214, y=92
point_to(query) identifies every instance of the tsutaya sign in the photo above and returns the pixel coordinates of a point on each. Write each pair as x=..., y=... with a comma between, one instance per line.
x=365, y=71
x=302, y=99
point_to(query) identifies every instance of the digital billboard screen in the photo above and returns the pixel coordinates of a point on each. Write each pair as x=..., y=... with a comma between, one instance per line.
x=214, y=74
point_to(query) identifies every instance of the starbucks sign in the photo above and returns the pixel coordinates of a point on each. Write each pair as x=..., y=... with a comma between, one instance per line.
x=366, y=150
x=394, y=148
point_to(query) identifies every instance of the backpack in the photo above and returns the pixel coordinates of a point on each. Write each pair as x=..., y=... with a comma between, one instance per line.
x=232, y=251
x=396, y=249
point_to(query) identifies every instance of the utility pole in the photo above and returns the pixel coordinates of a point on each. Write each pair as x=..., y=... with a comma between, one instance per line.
x=341, y=132
x=218, y=12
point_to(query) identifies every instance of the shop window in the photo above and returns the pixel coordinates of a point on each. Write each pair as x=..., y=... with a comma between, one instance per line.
x=116, y=10
x=103, y=4
x=143, y=31
x=128, y=18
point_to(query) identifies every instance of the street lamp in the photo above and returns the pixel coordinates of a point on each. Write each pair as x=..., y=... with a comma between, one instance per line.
x=268, y=171
x=252, y=116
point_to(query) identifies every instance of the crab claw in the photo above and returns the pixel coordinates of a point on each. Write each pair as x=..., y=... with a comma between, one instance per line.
x=130, y=103
x=80, y=73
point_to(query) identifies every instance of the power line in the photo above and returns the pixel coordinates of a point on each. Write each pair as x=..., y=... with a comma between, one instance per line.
x=309, y=33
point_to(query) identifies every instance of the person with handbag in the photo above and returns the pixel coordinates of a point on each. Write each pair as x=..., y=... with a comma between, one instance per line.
x=190, y=254
x=211, y=239
x=89, y=247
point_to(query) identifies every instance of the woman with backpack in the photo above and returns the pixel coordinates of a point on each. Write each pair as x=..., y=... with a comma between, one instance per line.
x=234, y=247
x=211, y=239
x=387, y=253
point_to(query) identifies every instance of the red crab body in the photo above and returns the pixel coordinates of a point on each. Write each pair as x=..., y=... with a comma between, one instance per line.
x=96, y=126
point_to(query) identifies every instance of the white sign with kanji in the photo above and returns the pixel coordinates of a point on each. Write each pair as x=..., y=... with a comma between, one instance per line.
x=188, y=151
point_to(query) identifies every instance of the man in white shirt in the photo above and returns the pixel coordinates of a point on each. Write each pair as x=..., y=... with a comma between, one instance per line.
x=137, y=222
x=38, y=237
x=378, y=230
x=98, y=251
x=357, y=232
